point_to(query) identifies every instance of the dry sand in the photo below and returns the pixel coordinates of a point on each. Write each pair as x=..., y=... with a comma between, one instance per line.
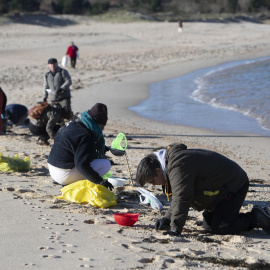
x=117, y=64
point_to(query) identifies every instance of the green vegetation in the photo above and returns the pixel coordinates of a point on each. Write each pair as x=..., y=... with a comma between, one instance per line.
x=255, y=5
x=71, y=6
x=18, y=5
x=232, y=5
x=153, y=8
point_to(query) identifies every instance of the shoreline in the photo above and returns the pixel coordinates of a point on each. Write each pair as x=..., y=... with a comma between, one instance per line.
x=215, y=118
x=119, y=62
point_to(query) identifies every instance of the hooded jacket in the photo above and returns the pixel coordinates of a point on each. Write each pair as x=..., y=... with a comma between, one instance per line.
x=200, y=179
x=74, y=146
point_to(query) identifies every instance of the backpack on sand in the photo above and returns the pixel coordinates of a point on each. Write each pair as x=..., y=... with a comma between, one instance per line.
x=38, y=110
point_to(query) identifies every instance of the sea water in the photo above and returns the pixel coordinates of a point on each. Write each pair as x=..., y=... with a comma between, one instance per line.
x=230, y=98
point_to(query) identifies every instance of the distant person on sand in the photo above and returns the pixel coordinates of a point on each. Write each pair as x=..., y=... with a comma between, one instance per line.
x=79, y=149
x=180, y=26
x=3, y=102
x=48, y=124
x=56, y=83
x=204, y=180
x=72, y=52
x=16, y=114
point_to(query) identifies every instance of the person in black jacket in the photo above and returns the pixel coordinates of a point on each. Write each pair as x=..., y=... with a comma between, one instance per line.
x=79, y=148
x=204, y=180
x=16, y=114
x=3, y=102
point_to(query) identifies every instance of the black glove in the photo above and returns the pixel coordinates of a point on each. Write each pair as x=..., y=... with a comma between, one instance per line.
x=59, y=90
x=106, y=149
x=107, y=184
x=44, y=99
x=162, y=223
x=171, y=233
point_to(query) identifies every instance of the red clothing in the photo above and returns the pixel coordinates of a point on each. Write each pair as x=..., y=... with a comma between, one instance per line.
x=71, y=51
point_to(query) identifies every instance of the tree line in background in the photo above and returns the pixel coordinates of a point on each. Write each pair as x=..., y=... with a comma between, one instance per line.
x=98, y=7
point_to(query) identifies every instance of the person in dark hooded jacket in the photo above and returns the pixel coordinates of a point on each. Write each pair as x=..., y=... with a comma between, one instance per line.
x=79, y=148
x=3, y=102
x=204, y=180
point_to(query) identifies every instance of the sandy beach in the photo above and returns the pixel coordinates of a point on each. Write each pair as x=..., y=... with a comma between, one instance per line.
x=117, y=64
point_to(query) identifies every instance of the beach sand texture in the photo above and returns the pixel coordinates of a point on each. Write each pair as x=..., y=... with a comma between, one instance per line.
x=116, y=65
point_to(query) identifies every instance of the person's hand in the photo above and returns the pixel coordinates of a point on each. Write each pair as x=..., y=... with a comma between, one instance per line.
x=106, y=149
x=162, y=223
x=171, y=233
x=44, y=99
x=107, y=184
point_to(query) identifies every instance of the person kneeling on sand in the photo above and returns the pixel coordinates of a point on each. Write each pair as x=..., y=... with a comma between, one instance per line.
x=79, y=148
x=16, y=114
x=204, y=180
x=48, y=124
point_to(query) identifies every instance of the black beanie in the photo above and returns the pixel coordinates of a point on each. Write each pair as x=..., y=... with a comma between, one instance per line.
x=52, y=61
x=99, y=113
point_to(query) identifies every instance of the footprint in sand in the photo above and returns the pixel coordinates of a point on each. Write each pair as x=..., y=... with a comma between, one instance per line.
x=84, y=259
x=69, y=245
x=89, y=221
x=62, y=224
x=29, y=264
x=25, y=190
x=68, y=251
x=17, y=197
x=146, y=260
x=125, y=246
x=55, y=238
x=71, y=230
x=51, y=256
x=56, y=242
x=44, y=218
x=47, y=228
x=9, y=189
x=45, y=248
x=72, y=218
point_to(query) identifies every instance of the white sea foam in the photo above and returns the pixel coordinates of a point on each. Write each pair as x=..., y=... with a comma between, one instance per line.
x=212, y=97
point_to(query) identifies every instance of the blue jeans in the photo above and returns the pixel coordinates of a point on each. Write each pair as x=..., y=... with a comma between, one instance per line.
x=226, y=218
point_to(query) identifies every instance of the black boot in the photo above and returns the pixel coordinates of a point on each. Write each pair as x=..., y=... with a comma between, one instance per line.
x=262, y=217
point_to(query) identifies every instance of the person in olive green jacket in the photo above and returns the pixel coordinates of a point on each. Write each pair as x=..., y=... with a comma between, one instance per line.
x=204, y=180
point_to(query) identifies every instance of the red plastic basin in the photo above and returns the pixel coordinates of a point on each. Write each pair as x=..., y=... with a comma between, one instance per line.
x=126, y=219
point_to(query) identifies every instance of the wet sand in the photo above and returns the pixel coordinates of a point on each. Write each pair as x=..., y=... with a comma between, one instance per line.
x=117, y=64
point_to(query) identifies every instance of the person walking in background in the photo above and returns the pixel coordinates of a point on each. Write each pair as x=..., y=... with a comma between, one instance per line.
x=180, y=26
x=3, y=102
x=56, y=83
x=72, y=53
x=16, y=114
x=204, y=180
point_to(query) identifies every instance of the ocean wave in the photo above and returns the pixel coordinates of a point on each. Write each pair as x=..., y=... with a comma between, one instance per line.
x=232, y=87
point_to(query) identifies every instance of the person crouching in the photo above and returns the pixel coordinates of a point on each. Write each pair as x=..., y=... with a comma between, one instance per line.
x=79, y=148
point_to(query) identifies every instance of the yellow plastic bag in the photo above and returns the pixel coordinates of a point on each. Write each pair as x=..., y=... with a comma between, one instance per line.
x=14, y=164
x=84, y=191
